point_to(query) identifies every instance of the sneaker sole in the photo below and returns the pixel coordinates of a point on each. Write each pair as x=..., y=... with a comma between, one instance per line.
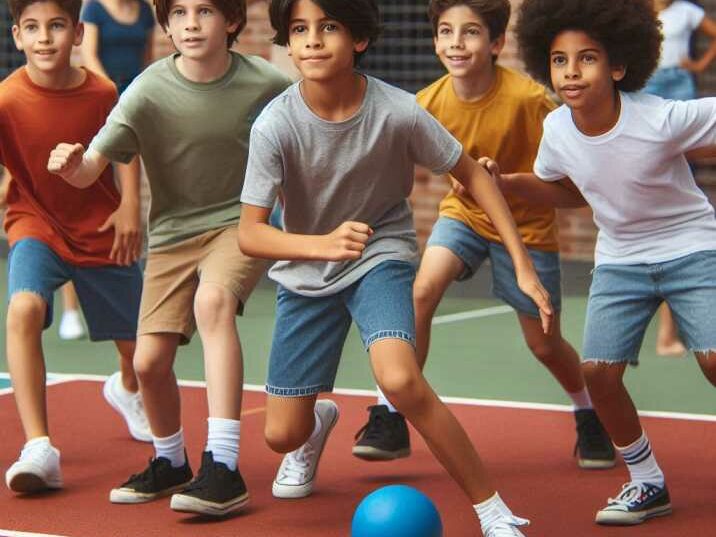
x=26, y=482
x=621, y=518
x=131, y=496
x=137, y=435
x=596, y=464
x=368, y=453
x=189, y=504
x=301, y=491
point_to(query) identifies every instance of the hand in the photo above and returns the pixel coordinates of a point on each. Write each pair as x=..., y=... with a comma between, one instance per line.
x=346, y=242
x=4, y=186
x=458, y=187
x=692, y=66
x=65, y=159
x=127, y=246
x=530, y=285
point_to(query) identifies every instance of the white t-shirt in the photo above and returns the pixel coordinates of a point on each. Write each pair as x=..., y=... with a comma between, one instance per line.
x=635, y=177
x=679, y=21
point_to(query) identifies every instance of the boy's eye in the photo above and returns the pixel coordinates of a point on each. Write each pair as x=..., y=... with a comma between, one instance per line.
x=204, y=11
x=57, y=26
x=559, y=60
x=473, y=31
x=330, y=27
x=177, y=12
x=589, y=58
x=30, y=27
x=298, y=29
x=444, y=31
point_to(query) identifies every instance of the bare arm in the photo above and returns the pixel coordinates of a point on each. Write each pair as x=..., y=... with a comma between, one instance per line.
x=486, y=193
x=707, y=152
x=90, y=50
x=79, y=168
x=708, y=28
x=561, y=194
x=4, y=185
x=259, y=239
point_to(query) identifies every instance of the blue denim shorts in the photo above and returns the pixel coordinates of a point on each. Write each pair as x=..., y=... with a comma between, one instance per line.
x=672, y=83
x=310, y=331
x=109, y=295
x=473, y=249
x=624, y=298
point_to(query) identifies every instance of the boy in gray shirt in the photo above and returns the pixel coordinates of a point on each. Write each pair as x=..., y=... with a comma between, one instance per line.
x=189, y=117
x=340, y=149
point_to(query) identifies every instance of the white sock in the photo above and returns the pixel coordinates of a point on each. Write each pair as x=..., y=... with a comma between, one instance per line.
x=581, y=400
x=171, y=447
x=223, y=441
x=382, y=400
x=641, y=462
x=37, y=441
x=491, y=511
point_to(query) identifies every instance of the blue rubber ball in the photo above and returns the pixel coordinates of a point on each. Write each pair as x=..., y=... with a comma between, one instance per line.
x=396, y=511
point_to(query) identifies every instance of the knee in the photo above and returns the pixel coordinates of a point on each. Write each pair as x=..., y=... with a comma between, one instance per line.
x=150, y=367
x=26, y=312
x=283, y=438
x=544, y=350
x=425, y=297
x=402, y=388
x=213, y=305
x=599, y=377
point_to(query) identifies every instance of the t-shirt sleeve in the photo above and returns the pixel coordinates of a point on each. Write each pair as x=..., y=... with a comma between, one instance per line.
x=117, y=140
x=692, y=124
x=694, y=14
x=264, y=171
x=92, y=13
x=547, y=165
x=431, y=145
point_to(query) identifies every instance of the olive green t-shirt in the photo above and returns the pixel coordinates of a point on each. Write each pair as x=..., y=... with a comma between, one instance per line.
x=193, y=139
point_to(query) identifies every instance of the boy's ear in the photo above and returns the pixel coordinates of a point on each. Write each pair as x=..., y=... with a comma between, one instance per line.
x=361, y=46
x=618, y=72
x=231, y=28
x=16, y=36
x=79, y=34
x=497, y=45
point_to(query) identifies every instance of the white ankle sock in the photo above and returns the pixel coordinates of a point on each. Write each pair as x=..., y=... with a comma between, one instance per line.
x=382, y=400
x=171, y=447
x=641, y=462
x=223, y=441
x=581, y=400
x=491, y=511
x=37, y=441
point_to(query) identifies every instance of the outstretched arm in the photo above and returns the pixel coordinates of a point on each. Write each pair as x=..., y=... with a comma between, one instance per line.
x=258, y=238
x=78, y=168
x=702, y=153
x=485, y=191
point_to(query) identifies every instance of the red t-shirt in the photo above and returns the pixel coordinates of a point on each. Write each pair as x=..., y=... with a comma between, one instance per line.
x=42, y=206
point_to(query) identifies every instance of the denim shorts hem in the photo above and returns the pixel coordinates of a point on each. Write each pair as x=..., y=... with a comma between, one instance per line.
x=631, y=360
x=44, y=296
x=468, y=270
x=297, y=392
x=389, y=334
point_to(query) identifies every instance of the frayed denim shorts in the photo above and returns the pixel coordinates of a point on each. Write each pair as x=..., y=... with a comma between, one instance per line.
x=310, y=331
x=624, y=298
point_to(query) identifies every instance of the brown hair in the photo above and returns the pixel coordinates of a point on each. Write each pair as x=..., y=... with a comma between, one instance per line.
x=495, y=13
x=233, y=11
x=71, y=7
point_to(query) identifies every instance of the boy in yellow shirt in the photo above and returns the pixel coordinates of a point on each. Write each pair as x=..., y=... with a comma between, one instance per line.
x=493, y=112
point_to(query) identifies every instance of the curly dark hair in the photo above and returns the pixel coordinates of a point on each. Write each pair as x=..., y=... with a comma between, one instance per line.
x=629, y=31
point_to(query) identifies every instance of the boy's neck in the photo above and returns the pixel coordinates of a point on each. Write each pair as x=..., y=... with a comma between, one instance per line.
x=599, y=119
x=336, y=100
x=205, y=70
x=474, y=88
x=69, y=78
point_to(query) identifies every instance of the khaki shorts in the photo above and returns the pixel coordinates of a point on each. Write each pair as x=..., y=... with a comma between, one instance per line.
x=173, y=274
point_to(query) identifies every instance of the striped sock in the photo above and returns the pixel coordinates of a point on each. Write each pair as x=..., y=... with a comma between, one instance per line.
x=641, y=462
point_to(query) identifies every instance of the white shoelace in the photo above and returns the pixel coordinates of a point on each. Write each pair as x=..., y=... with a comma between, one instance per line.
x=507, y=527
x=298, y=463
x=630, y=492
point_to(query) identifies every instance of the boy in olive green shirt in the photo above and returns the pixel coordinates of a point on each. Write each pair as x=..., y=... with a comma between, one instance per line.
x=189, y=117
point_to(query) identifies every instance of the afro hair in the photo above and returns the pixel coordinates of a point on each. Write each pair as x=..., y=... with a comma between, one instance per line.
x=629, y=31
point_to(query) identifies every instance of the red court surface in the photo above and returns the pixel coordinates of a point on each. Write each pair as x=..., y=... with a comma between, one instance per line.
x=528, y=453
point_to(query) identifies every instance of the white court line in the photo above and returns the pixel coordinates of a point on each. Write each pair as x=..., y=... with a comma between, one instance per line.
x=8, y=533
x=60, y=378
x=472, y=314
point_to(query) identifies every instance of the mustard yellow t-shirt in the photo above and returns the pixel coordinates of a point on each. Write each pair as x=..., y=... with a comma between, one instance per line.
x=505, y=125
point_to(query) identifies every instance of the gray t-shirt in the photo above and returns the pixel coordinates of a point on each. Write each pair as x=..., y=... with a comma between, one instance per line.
x=193, y=139
x=360, y=169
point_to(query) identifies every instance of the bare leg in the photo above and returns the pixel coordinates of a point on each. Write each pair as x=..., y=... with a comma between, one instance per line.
x=289, y=422
x=153, y=362
x=707, y=362
x=668, y=342
x=215, y=311
x=399, y=376
x=125, y=350
x=69, y=297
x=26, y=362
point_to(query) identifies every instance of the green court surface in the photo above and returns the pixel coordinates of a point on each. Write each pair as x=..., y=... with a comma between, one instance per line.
x=483, y=358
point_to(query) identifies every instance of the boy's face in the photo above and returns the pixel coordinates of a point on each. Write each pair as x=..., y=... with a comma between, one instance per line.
x=463, y=43
x=46, y=34
x=580, y=70
x=320, y=47
x=198, y=29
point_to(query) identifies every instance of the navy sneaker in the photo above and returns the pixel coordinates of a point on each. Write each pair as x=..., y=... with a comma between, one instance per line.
x=384, y=438
x=636, y=503
x=594, y=448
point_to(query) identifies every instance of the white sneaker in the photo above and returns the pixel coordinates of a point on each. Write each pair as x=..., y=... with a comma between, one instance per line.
x=297, y=473
x=507, y=527
x=71, y=326
x=38, y=468
x=130, y=407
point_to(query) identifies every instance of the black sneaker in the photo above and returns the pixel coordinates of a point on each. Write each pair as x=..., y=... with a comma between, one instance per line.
x=384, y=438
x=159, y=479
x=216, y=491
x=635, y=503
x=594, y=449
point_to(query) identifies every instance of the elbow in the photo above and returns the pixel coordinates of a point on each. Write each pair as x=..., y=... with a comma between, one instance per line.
x=246, y=244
